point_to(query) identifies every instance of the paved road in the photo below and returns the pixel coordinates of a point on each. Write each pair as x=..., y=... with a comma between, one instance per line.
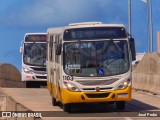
x=40, y=100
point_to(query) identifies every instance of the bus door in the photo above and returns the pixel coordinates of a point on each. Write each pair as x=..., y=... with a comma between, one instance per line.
x=50, y=61
x=57, y=70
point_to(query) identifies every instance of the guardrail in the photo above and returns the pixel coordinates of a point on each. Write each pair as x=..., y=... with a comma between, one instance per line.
x=146, y=75
x=9, y=72
x=11, y=83
x=10, y=76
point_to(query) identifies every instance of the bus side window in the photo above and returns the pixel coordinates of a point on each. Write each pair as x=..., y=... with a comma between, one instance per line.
x=132, y=46
x=56, y=44
x=58, y=47
x=51, y=48
x=47, y=46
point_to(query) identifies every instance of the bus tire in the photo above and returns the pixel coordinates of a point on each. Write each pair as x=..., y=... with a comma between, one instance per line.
x=54, y=102
x=120, y=105
x=67, y=107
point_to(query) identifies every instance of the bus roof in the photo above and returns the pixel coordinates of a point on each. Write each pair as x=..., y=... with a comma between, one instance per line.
x=28, y=34
x=93, y=24
x=87, y=24
x=35, y=34
x=82, y=25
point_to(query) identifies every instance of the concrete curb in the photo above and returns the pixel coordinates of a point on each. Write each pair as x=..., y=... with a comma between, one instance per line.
x=146, y=75
x=12, y=83
x=10, y=76
x=9, y=72
x=149, y=83
x=7, y=103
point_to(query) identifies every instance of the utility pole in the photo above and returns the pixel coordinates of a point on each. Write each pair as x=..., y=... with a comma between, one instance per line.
x=151, y=27
x=149, y=24
x=129, y=16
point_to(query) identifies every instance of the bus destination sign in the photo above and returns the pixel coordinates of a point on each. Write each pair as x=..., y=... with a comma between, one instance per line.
x=95, y=33
x=35, y=38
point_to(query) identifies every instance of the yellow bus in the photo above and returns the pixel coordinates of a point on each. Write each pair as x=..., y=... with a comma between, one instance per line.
x=89, y=62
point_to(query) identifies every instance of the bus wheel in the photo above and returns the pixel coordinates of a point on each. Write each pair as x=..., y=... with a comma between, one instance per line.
x=54, y=102
x=120, y=105
x=67, y=107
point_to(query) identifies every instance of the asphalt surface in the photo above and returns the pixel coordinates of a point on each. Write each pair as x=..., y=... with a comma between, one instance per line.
x=143, y=106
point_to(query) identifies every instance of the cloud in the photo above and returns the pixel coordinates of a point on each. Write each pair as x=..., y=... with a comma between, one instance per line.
x=11, y=56
x=52, y=12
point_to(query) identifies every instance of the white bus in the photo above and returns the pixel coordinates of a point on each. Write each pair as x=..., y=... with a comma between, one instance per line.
x=89, y=62
x=33, y=50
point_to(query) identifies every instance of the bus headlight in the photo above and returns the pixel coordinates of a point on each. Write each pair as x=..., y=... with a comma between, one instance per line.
x=71, y=87
x=124, y=84
x=27, y=71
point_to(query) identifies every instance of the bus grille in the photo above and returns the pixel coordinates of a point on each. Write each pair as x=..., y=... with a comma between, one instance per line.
x=38, y=69
x=101, y=89
x=97, y=82
x=41, y=77
x=99, y=95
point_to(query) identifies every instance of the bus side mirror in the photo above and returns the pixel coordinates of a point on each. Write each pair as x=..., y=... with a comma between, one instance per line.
x=132, y=47
x=21, y=49
x=58, y=49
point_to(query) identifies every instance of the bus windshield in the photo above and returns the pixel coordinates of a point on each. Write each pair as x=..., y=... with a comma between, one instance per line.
x=96, y=58
x=35, y=54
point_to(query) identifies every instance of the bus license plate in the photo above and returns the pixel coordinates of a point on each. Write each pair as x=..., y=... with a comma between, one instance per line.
x=122, y=95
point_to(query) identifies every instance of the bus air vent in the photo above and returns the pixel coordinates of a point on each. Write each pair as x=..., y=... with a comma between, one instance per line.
x=93, y=89
x=41, y=77
x=85, y=23
x=38, y=69
x=97, y=82
x=99, y=95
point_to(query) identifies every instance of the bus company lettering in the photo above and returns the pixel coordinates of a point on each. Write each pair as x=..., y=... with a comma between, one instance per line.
x=72, y=66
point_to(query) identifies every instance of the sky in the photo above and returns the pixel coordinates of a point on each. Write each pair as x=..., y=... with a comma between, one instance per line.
x=18, y=17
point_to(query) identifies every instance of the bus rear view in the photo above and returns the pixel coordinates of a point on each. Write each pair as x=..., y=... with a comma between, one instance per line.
x=33, y=52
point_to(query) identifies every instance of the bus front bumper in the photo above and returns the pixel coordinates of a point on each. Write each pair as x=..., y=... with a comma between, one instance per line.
x=91, y=97
x=33, y=77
